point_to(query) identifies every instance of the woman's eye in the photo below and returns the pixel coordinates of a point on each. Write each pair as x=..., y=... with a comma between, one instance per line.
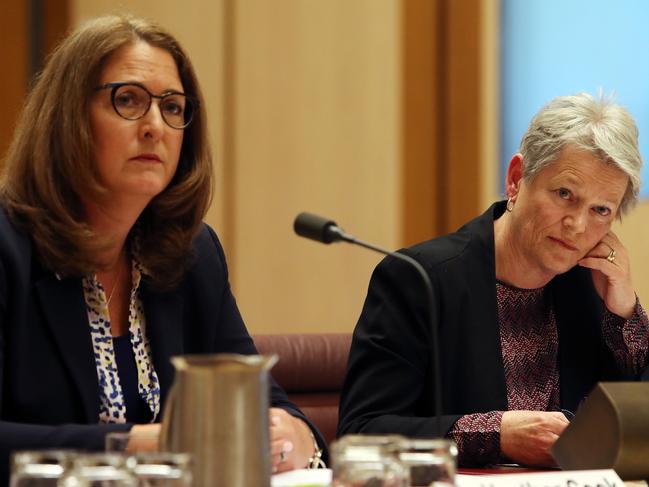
x=563, y=193
x=603, y=210
x=172, y=108
x=126, y=100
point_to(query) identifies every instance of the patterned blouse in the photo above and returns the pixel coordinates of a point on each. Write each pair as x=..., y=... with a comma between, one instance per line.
x=112, y=407
x=529, y=342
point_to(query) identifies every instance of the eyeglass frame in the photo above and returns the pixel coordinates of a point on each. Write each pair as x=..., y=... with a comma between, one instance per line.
x=114, y=86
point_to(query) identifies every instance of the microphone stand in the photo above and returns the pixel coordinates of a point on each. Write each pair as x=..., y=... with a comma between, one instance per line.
x=327, y=231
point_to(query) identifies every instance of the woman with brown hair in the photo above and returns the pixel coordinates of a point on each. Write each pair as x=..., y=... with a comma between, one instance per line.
x=106, y=269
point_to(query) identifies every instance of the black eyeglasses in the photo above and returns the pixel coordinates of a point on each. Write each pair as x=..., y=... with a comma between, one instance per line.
x=132, y=101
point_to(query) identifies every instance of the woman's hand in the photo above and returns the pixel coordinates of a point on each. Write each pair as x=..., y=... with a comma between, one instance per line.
x=291, y=443
x=526, y=436
x=144, y=438
x=609, y=264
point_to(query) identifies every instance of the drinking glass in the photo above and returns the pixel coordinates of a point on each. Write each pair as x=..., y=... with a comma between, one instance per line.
x=41, y=468
x=163, y=469
x=368, y=461
x=121, y=442
x=430, y=462
x=100, y=470
x=117, y=442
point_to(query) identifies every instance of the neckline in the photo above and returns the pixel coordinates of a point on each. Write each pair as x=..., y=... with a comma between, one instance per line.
x=520, y=289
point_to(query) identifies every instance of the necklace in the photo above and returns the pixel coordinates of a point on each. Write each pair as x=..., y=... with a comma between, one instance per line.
x=112, y=291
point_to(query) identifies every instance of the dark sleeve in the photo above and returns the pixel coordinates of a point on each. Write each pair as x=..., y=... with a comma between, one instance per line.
x=21, y=436
x=477, y=437
x=388, y=386
x=627, y=339
x=235, y=338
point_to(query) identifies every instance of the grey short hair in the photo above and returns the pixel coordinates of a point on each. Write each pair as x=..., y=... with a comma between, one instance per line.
x=599, y=126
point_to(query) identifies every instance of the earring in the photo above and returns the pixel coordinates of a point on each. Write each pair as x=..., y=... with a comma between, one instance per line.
x=510, y=204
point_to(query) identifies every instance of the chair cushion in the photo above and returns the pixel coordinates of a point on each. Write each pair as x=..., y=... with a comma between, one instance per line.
x=311, y=370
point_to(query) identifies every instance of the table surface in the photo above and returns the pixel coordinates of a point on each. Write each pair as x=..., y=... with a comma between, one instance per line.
x=502, y=469
x=514, y=469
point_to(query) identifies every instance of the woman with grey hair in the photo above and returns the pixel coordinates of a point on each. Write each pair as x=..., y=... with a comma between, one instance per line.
x=533, y=301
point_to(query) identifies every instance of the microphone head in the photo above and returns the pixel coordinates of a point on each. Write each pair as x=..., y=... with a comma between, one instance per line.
x=316, y=228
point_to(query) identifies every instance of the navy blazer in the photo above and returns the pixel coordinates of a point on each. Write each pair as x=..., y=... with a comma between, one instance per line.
x=48, y=378
x=388, y=386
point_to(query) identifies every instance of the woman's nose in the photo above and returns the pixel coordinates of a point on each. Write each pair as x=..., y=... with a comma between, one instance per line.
x=152, y=124
x=576, y=220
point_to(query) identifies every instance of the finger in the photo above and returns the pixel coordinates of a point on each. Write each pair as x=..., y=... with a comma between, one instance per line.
x=275, y=433
x=555, y=425
x=554, y=436
x=542, y=442
x=278, y=446
x=277, y=464
x=279, y=412
x=274, y=419
x=283, y=466
x=279, y=457
x=612, y=239
x=601, y=250
x=559, y=415
x=604, y=266
x=607, y=243
x=614, y=243
x=557, y=429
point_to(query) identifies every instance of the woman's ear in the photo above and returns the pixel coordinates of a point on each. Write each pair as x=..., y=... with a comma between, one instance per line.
x=514, y=176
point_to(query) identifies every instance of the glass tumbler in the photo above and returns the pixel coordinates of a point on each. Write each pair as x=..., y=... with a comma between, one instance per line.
x=430, y=462
x=117, y=442
x=164, y=469
x=368, y=461
x=125, y=441
x=41, y=468
x=100, y=470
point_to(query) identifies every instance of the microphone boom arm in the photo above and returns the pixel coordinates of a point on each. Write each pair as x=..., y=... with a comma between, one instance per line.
x=327, y=231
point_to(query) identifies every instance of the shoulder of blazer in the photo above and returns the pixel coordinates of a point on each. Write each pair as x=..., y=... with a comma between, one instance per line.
x=16, y=247
x=206, y=242
x=472, y=243
x=207, y=259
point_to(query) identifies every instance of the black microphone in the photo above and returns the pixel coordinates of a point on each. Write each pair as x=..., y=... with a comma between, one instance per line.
x=327, y=231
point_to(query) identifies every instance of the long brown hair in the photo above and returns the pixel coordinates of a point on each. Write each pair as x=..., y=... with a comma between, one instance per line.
x=50, y=162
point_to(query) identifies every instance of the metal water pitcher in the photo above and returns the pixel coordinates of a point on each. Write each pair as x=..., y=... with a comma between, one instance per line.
x=217, y=410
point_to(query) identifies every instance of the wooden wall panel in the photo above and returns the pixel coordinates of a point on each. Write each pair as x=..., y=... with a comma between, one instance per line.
x=633, y=231
x=56, y=22
x=317, y=128
x=463, y=112
x=14, y=50
x=489, y=136
x=450, y=113
x=22, y=52
x=422, y=119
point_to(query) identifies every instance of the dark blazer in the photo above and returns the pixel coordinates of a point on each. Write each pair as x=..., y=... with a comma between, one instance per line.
x=388, y=386
x=48, y=378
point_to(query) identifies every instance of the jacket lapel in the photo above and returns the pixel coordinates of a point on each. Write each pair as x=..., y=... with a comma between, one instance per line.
x=584, y=358
x=164, y=318
x=65, y=313
x=483, y=278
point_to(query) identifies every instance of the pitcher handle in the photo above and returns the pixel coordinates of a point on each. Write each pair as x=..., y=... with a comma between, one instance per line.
x=167, y=417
